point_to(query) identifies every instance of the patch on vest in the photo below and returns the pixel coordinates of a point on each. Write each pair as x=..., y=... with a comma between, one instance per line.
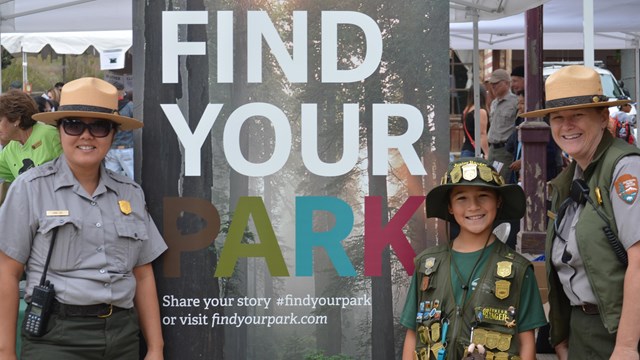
x=627, y=188
x=492, y=339
x=502, y=289
x=494, y=315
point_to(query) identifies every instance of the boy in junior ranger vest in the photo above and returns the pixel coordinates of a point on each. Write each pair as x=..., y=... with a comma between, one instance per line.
x=474, y=294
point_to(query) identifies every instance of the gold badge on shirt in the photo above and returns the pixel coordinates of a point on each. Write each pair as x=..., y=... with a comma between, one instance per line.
x=504, y=269
x=125, y=207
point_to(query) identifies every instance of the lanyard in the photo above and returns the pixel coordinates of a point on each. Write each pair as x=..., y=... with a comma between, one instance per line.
x=443, y=351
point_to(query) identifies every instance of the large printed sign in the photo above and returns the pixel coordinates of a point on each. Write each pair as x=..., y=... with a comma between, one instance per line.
x=290, y=136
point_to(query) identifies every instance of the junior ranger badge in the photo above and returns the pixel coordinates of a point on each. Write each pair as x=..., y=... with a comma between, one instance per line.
x=502, y=289
x=469, y=171
x=504, y=269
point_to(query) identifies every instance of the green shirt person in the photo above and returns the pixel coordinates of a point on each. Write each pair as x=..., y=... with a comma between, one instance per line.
x=26, y=142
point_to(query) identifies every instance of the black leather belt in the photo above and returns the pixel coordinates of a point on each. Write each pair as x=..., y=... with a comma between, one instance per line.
x=498, y=145
x=97, y=310
x=589, y=309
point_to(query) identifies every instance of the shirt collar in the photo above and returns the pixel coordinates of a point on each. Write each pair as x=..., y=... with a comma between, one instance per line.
x=64, y=177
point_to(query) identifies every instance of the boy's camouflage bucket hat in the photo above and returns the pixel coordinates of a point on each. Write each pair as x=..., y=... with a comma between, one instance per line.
x=475, y=172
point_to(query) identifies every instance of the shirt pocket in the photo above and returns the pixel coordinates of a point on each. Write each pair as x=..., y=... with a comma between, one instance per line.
x=131, y=234
x=67, y=250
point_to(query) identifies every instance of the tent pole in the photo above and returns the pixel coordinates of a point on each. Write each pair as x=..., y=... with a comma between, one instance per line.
x=587, y=25
x=25, y=76
x=476, y=86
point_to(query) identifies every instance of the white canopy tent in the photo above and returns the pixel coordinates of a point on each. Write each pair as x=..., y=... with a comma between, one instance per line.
x=67, y=42
x=68, y=26
x=616, y=26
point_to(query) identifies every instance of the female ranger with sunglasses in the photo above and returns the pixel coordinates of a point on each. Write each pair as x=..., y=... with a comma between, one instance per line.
x=100, y=238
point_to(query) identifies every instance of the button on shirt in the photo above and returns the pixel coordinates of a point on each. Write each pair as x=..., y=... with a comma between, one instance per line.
x=97, y=244
x=571, y=271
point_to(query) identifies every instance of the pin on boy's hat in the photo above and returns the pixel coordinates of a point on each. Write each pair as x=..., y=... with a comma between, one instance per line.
x=91, y=98
x=573, y=87
x=475, y=172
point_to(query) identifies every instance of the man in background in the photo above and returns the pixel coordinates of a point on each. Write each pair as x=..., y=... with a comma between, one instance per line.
x=502, y=118
x=517, y=80
x=119, y=159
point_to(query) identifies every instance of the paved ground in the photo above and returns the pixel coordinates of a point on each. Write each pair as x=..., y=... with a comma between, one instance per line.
x=546, y=357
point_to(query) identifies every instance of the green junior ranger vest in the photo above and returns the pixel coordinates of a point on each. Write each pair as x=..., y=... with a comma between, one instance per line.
x=491, y=307
x=604, y=270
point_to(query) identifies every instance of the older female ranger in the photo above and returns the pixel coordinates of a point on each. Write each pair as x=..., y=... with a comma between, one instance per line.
x=592, y=292
x=105, y=240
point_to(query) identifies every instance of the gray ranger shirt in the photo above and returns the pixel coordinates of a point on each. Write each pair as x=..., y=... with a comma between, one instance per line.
x=571, y=272
x=100, y=239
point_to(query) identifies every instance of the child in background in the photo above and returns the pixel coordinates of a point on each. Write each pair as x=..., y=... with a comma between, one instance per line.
x=475, y=296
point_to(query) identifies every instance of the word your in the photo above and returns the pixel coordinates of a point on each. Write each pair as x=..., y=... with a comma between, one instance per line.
x=376, y=236
x=381, y=140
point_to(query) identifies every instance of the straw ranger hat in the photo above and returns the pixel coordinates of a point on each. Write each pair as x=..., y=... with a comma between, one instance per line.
x=92, y=98
x=475, y=172
x=573, y=87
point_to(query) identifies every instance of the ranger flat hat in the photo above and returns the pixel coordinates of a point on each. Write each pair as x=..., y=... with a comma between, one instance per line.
x=475, y=172
x=573, y=87
x=92, y=98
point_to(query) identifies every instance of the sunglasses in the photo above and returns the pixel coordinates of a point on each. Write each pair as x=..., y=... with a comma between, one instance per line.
x=98, y=128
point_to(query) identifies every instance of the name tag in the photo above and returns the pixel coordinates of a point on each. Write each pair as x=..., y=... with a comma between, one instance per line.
x=57, y=212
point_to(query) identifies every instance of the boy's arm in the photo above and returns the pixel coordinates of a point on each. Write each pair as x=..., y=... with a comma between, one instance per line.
x=562, y=350
x=527, y=345
x=409, y=345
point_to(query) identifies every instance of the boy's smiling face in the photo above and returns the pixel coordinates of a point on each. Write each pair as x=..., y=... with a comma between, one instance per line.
x=474, y=208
